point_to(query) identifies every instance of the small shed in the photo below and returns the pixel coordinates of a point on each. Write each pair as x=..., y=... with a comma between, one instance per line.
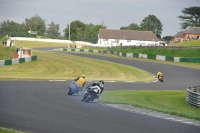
x=23, y=52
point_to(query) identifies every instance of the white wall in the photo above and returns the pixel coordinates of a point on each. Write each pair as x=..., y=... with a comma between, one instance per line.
x=49, y=40
x=123, y=42
x=40, y=40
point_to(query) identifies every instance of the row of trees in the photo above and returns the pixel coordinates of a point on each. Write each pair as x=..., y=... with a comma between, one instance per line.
x=149, y=23
x=89, y=32
x=78, y=30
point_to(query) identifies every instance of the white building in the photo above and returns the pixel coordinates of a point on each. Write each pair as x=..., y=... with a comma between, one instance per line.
x=108, y=37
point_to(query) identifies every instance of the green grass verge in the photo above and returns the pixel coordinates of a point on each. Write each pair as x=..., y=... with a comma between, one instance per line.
x=6, y=53
x=167, y=101
x=195, y=53
x=3, y=130
x=61, y=66
x=36, y=44
x=187, y=43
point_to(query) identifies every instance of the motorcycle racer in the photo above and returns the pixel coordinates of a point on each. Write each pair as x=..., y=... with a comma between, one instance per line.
x=99, y=85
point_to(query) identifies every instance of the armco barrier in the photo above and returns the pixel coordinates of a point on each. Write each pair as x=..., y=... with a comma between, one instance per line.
x=17, y=60
x=193, y=95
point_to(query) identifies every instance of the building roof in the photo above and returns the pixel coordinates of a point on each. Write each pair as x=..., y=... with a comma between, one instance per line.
x=193, y=30
x=127, y=35
x=180, y=34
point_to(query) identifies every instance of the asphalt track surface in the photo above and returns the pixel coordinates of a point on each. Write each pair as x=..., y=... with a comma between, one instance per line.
x=45, y=107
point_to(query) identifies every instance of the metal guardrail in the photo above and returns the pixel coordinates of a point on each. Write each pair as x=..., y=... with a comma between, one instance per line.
x=193, y=95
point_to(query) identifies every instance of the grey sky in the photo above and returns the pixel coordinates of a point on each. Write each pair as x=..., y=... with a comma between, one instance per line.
x=113, y=13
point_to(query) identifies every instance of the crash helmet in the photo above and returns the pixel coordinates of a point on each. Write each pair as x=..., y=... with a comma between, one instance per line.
x=83, y=75
x=101, y=81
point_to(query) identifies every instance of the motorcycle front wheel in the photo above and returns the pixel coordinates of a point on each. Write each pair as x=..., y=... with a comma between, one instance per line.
x=90, y=97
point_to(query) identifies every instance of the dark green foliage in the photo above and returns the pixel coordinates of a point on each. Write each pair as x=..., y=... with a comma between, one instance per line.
x=132, y=26
x=167, y=38
x=53, y=31
x=191, y=17
x=80, y=31
x=152, y=23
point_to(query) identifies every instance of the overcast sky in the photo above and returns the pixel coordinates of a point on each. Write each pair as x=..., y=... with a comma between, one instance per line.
x=112, y=13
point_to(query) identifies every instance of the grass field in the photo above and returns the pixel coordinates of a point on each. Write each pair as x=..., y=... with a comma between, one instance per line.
x=59, y=66
x=6, y=53
x=3, y=130
x=195, y=53
x=187, y=43
x=167, y=101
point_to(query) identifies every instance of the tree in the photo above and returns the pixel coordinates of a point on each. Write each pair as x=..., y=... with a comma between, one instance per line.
x=190, y=18
x=167, y=38
x=77, y=28
x=132, y=26
x=53, y=30
x=93, y=31
x=152, y=23
x=10, y=28
x=80, y=31
x=36, y=23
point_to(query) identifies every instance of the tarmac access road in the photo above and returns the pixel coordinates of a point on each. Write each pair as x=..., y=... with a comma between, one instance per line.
x=45, y=107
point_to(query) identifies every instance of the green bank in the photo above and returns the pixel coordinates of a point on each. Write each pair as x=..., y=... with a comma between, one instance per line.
x=168, y=101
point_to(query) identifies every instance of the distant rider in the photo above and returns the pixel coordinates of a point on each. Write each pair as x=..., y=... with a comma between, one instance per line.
x=99, y=85
x=159, y=74
x=79, y=82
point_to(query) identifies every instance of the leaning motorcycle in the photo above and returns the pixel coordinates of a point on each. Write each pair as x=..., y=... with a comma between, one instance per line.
x=91, y=94
x=161, y=79
x=73, y=88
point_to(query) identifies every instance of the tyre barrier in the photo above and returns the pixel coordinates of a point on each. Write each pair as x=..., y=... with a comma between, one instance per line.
x=136, y=55
x=193, y=95
x=17, y=60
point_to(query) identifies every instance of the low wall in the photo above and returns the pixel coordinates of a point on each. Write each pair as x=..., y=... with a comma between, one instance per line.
x=51, y=40
x=137, y=55
x=17, y=60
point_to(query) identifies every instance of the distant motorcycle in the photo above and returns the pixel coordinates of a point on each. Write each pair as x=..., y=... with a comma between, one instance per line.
x=91, y=94
x=74, y=88
x=160, y=78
